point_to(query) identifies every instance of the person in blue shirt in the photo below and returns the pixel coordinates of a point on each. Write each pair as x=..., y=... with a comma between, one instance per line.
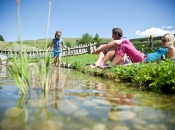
x=58, y=43
x=168, y=44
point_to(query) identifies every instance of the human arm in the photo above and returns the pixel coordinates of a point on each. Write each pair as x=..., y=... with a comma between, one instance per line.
x=66, y=47
x=171, y=53
x=50, y=46
x=111, y=44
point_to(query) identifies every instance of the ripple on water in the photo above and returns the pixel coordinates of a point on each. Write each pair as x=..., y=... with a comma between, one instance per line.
x=152, y=115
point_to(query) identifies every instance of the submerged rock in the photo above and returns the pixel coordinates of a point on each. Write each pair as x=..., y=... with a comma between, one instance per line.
x=99, y=127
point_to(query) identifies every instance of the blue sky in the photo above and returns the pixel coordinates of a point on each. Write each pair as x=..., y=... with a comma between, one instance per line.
x=137, y=18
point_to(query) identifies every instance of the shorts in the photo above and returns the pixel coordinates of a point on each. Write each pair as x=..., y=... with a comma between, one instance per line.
x=127, y=59
x=59, y=54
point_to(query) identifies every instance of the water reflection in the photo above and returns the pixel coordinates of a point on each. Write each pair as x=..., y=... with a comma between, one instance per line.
x=86, y=103
x=16, y=117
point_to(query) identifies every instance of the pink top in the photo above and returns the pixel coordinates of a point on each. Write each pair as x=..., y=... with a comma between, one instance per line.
x=128, y=48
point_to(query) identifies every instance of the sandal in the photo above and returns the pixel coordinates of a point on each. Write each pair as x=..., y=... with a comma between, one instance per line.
x=104, y=66
x=91, y=65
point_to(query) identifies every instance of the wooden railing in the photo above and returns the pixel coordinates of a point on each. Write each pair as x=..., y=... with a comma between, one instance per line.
x=77, y=50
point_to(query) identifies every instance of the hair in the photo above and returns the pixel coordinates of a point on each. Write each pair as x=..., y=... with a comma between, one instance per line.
x=57, y=32
x=170, y=38
x=117, y=31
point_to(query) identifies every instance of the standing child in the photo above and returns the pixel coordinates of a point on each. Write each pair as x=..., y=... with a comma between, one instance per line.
x=57, y=42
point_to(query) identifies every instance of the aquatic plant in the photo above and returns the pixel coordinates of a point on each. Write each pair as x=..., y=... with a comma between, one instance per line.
x=48, y=21
x=20, y=68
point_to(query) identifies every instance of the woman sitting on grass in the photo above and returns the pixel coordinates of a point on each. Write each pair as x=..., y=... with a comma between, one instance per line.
x=126, y=47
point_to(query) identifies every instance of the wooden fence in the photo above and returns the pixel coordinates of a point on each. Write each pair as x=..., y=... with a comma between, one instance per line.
x=77, y=50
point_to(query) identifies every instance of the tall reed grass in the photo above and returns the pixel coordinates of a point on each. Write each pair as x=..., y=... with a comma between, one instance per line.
x=22, y=72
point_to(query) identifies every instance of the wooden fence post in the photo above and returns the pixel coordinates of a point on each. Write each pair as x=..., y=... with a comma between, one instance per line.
x=92, y=47
x=151, y=41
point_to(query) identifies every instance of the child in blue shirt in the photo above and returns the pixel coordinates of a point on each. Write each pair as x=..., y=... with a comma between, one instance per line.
x=57, y=42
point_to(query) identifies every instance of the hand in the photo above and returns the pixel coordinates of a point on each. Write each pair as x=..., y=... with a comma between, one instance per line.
x=48, y=49
x=99, y=49
x=68, y=49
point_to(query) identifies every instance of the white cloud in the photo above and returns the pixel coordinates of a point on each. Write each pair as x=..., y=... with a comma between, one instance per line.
x=154, y=31
x=169, y=27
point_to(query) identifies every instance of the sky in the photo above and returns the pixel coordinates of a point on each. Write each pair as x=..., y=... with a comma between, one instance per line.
x=137, y=18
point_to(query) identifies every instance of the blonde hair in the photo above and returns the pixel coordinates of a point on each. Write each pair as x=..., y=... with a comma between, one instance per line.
x=170, y=39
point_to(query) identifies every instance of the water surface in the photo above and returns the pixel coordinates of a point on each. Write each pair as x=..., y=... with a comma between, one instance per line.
x=83, y=103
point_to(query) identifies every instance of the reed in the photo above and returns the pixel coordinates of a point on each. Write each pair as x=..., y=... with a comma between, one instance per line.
x=20, y=68
x=48, y=22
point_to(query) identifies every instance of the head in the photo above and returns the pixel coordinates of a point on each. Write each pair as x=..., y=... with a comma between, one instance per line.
x=168, y=40
x=117, y=33
x=58, y=34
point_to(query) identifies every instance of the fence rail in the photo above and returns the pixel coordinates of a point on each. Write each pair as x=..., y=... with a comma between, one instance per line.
x=77, y=50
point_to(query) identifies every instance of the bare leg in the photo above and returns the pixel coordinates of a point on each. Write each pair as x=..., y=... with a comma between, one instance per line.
x=122, y=61
x=116, y=59
x=107, y=57
x=55, y=60
x=59, y=61
x=100, y=57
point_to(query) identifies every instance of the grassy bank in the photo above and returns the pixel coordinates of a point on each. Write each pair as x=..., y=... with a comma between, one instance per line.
x=157, y=76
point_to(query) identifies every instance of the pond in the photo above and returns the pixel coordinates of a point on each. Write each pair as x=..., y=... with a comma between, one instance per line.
x=83, y=103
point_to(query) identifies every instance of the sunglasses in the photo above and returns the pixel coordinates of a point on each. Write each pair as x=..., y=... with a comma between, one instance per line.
x=164, y=40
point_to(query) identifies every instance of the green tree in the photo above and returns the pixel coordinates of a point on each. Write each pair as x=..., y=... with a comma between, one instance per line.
x=1, y=38
x=68, y=43
x=86, y=39
x=97, y=39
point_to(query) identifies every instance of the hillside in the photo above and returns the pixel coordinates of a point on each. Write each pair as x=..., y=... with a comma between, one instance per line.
x=15, y=46
x=40, y=43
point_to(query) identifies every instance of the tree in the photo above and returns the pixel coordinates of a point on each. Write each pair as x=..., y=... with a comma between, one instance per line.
x=68, y=44
x=1, y=38
x=86, y=39
x=97, y=38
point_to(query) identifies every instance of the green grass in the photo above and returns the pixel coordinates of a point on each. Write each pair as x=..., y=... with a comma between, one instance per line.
x=156, y=76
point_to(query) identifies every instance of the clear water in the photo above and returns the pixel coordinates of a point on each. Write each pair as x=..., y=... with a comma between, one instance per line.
x=83, y=103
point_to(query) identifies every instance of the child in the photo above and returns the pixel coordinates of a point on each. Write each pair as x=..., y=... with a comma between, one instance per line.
x=57, y=42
